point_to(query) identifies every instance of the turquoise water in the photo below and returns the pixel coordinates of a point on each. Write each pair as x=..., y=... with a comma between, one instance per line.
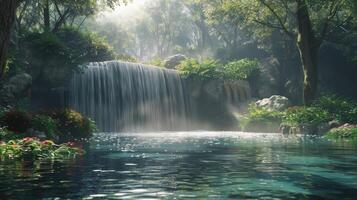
x=191, y=165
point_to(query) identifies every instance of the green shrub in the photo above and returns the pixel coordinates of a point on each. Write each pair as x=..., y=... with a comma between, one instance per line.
x=342, y=133
x=31, y=148
x=342, y=109
x=261, y=120
x=45, y=124
x=156, y=62
x=71, y=124
x=51, y=58
x=126, y=58
x=241, y=69
x=305, y=115
x=261, y=114
x=208, y=69
x=15, y=120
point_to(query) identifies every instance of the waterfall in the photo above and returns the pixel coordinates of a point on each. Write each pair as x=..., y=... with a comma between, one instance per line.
x=236, y=92
x=123, y=96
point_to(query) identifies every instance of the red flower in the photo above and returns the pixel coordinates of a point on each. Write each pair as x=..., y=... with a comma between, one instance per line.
x=47, y=142
x=27, y=139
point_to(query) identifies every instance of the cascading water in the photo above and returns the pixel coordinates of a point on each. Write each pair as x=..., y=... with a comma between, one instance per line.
x=236, y=92
x=122, y=96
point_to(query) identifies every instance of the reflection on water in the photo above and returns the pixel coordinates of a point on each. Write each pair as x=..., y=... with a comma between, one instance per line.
x=184, y=165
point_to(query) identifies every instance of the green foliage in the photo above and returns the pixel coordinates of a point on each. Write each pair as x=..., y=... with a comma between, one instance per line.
x=126, y=58
x=306, y=115
x=261, y=114
x=261, y=120
x=31, y=148
x=342, y=133
x=85, y=46
x=6, y=135
x=15, y=120
x=342, y=109
x=71, y=124
x=241, y=69
x=156, y=62
x=45, y=124
x=51, y=58
x=208, y=69
x=211, y=69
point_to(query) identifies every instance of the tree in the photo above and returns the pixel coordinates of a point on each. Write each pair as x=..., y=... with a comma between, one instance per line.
x=55, y=12
x=7, y=18
x=309, y=23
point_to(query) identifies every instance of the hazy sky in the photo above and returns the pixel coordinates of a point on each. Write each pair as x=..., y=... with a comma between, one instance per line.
x=124, y=13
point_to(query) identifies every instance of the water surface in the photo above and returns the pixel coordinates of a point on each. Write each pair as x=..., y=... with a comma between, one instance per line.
x=188, y=165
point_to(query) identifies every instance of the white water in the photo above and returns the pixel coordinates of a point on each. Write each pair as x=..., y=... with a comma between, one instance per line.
x=122, y=96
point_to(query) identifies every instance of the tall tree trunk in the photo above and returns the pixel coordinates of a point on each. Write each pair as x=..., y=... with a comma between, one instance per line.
x=7, y=18
x=308, y=48
x=46, y=17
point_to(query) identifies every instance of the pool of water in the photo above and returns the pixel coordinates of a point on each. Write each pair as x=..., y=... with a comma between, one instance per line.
x=188, y=165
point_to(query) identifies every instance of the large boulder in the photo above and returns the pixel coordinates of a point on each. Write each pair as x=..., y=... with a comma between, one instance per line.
x=274, y=103
x=15, y=88
x=172, y=61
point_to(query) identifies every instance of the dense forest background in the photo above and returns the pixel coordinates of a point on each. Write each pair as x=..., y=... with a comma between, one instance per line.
x=306, y=47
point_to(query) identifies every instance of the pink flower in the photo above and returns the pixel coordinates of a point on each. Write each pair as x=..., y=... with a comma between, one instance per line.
x=27, y=139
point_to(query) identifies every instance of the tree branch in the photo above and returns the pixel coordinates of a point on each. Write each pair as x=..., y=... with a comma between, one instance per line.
x=281, y=23
x=332, y=13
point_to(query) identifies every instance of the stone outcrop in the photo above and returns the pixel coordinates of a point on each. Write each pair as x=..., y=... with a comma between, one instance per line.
x=274, y=103
x=172, y=61
x=15, y=88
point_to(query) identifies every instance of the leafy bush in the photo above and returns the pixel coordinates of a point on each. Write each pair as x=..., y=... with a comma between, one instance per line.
x=71, y=124
x=206, y=70
x=209, y=69
x=261, y=120
x=261, y=114
x=45, y=124
x=306, y=115
x=51, y=58
x=31, y=148
x=127, y=58
x=6, y=135
x=343, y=133
x=241, y=69
x=342, y=109
x=156, y=62
x=16, y=120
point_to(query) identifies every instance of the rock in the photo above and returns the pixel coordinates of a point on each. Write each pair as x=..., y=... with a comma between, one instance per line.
x=347, y=126
x=15, y=88
x=334, y=124
x=214, y=88
x=274, y=103
x=305, y=129
x=172, y=61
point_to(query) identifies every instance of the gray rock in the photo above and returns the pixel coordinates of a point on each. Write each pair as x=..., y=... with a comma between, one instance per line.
x=173, y=61
x=334, y=124
x=274, y=103
x=214, y=88
x=15, y=88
